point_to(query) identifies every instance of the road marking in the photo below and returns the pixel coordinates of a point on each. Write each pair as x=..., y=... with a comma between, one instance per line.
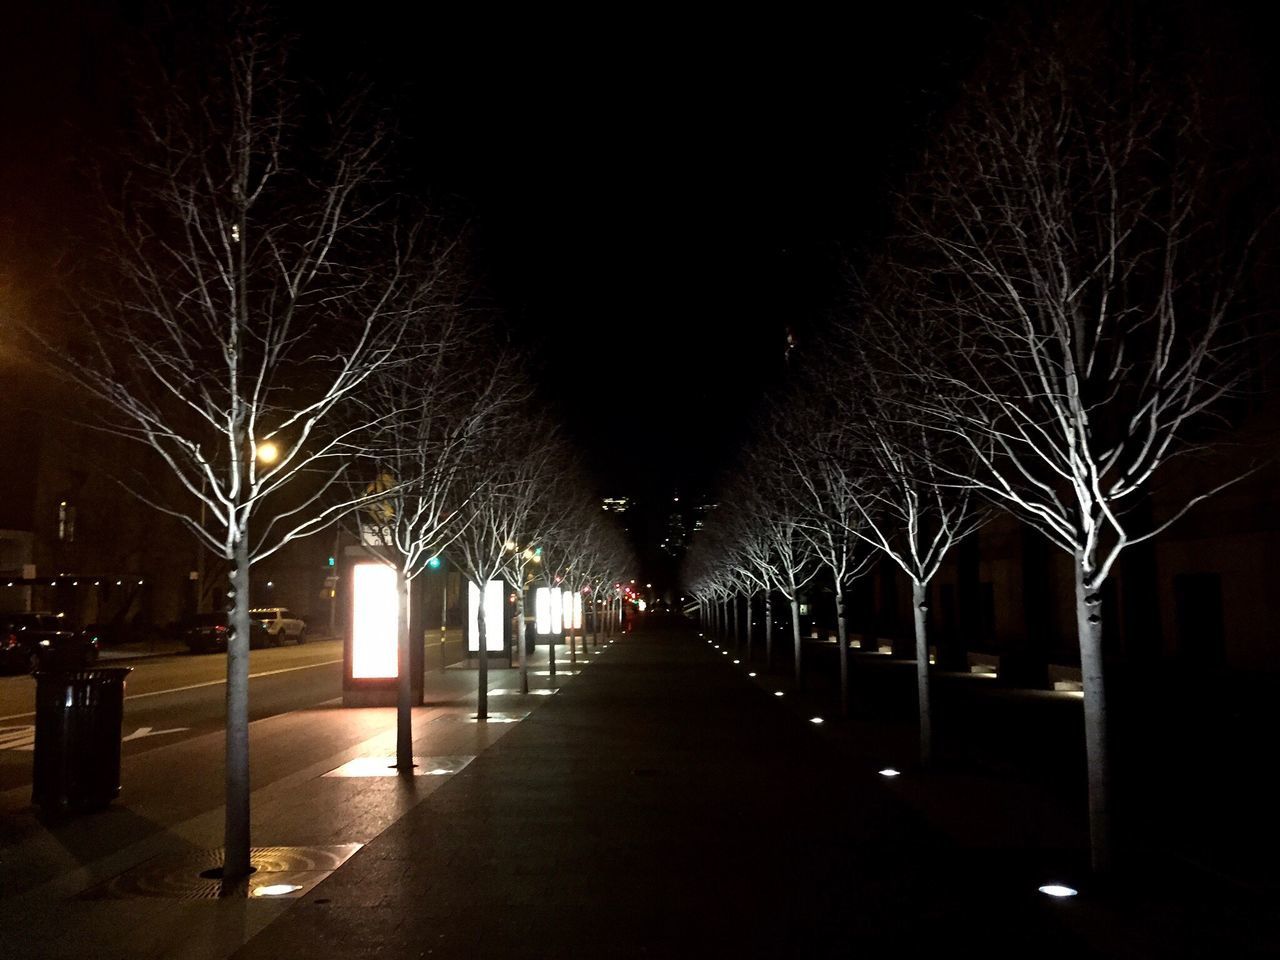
x=197, y=686
x=148, y=732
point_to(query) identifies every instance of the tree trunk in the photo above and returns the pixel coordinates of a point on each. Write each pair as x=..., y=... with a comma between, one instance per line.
x=404, y=680
x=1089, y=625
x=568, y=629
x=795, y=628
x=734, y=604
x=747, y=656
x=482, y=680
x=551, y=634
x=920, y=611
x=236, y=826
x=842, y=644
x=768, y=630
x=520, y=628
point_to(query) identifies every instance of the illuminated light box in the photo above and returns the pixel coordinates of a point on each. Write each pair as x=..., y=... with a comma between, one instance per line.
x=374, y=620
x=571, y=610
x=542, y=611
x=494, y=610
x=557, y=611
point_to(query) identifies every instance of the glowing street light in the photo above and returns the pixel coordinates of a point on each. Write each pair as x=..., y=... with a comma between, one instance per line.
x=266, y=452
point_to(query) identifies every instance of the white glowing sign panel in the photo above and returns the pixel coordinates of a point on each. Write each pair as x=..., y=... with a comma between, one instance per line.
x=571, y=610
x=557, y=611
x=374, y=619
x=542, y=611
x=493, y=591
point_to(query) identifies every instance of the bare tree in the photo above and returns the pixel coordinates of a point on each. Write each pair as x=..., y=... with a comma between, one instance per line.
x=431, y=413
x=1069, y=235
x=778, y=547
x=817, y=436
x=511, y=471
x=906, y=501
x=257, y=279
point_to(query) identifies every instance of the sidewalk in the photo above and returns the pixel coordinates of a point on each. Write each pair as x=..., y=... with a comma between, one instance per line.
x=664, y=806
x=662, y=803
x=106, y=885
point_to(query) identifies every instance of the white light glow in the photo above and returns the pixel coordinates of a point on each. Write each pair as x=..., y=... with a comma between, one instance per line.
x=737, y=661
x=889, y=772
x=375, y=620
x=276, y=890
x=557, y=611
x=542, y=611
x=1058, y=890
x=571, y=610
x=493, y=641
x=815, y=719
x=777, y=693
x=751, y=674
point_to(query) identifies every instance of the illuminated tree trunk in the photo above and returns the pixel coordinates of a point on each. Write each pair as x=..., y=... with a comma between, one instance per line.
x=843, y=645
x=733, y=602
x=748, y=651
x=236, y=834
x=482, y=691
x=920, y=610
x=795, y=628
x=520, y=628
x=404, y=681
x=768, y=630
x=1089, y=625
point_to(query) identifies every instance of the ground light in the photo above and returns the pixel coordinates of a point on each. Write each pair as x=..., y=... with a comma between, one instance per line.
x=1058, y=890
x=815, y=719
x=890, y=772
x=751, y=674
x=737, y=661
x=777, y=693
x=276, y=890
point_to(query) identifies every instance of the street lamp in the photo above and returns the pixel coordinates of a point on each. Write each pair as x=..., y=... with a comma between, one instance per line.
x=267, y=453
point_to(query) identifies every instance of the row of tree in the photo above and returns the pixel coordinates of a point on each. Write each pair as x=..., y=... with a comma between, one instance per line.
x=1058, y=314
x=291, y=341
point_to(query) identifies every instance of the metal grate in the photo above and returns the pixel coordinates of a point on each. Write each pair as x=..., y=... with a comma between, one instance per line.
x=282, y=872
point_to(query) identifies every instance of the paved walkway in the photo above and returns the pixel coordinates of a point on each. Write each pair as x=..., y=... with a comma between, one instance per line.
x=663, y=805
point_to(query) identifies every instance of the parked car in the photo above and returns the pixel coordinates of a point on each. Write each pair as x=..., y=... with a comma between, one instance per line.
x=34, y=641
x=208, y=632
x=281, y=623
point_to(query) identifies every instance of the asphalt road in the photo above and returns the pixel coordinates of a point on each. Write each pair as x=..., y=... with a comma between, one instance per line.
x=171, y=698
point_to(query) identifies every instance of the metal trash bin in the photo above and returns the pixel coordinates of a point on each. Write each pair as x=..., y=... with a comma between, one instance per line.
x=77, y=750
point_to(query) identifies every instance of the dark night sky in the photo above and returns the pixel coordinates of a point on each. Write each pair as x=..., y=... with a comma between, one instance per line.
x=655, y=197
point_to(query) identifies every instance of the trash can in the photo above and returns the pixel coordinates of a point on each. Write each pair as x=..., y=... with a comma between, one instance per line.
x=77, y=749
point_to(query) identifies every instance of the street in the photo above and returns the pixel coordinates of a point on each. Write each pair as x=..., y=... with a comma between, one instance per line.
x=173, y=698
